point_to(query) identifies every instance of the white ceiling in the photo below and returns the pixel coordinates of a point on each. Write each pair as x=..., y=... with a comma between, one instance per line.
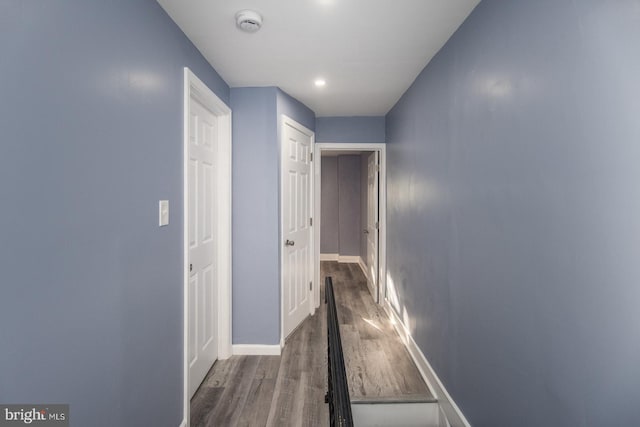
x=368, y=51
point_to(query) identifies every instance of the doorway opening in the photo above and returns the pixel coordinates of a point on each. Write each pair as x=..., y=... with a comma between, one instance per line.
x=350, y=205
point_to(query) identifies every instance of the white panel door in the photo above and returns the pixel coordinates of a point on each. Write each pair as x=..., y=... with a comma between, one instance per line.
x=202, y=289
x=372, y=219
x=296, y=216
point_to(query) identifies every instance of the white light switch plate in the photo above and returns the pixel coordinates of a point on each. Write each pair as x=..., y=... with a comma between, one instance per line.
x=163, y=212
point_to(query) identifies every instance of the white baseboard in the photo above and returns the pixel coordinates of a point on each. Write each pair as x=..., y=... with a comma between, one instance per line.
x=349, y=259
x=363, y=267
x=454, y=416
x=256, y=350
x=444, y=422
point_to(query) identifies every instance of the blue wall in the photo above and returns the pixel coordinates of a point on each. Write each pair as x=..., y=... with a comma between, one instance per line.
x=256, y=209
x=256, y=266
x=91, y=129
x=350, y=129
x=514, y=213
x=296, y=110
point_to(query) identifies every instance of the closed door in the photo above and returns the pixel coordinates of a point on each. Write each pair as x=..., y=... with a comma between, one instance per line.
x=372, y=219
x=202, y=288
x=296, y=221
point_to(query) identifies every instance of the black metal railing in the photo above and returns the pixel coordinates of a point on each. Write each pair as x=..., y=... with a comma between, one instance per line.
x=338, y=394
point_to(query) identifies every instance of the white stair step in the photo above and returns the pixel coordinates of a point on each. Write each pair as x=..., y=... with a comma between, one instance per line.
x=395, y=414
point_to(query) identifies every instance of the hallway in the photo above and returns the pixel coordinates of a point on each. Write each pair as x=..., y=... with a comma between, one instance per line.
x=289, y=389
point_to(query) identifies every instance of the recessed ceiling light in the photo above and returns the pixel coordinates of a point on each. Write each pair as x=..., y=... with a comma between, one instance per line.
x=320, y=82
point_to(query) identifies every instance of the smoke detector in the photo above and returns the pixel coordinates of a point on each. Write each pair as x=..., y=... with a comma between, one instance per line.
x=248, y=21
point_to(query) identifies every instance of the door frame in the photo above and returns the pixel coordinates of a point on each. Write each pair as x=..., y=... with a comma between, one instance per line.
x=288, y=121
x=195, y=88
x=381, y=148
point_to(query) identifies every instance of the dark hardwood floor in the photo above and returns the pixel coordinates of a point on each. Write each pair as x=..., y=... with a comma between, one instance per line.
x=288, y=390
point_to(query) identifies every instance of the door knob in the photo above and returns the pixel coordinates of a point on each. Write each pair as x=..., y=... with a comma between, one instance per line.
x=289, y=243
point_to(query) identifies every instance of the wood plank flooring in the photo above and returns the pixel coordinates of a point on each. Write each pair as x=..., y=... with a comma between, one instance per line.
x=288, y=390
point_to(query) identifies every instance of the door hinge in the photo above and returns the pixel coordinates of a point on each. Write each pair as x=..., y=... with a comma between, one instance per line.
x=311, y=222
x=311, y=157
x=377, y=168
x=310, y=286
x=377, y=226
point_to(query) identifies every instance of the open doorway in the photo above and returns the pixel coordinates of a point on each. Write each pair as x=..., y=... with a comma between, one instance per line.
x=350, y=201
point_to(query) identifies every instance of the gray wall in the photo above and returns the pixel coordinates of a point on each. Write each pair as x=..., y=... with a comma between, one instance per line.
x=329, y=229
x=91, y=130
x=256, y=209
x=514, y=213
x=349, y=205
x=340, y=205
x=350, y=129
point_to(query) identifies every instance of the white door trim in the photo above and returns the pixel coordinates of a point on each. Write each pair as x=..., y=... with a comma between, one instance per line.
x=382, y=201
x=194, y=87
x=284, y=121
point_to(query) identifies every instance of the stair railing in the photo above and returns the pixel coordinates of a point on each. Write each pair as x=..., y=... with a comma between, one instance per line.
x=338, y=390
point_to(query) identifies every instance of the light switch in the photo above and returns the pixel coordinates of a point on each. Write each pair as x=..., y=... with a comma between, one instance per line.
x=163, y=211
